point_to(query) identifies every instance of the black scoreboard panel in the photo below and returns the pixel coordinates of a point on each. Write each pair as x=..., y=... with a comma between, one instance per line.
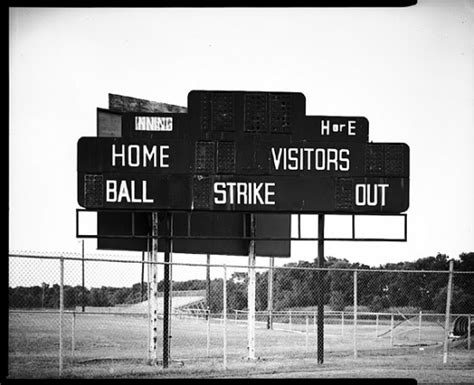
x=240, y=151
x=254, y=157
x=288, y=194
x=196, y=224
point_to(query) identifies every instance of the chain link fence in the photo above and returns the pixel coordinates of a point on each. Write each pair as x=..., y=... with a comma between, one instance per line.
x=57, y=327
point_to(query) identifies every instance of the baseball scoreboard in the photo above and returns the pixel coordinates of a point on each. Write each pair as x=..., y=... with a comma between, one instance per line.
x=240, y=151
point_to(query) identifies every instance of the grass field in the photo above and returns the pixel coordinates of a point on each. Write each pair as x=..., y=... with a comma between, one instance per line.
x=108, y=345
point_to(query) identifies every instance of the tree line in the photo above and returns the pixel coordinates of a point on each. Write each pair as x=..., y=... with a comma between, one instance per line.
x=296, y=286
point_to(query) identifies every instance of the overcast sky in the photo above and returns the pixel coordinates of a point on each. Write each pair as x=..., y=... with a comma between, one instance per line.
x=408, y=70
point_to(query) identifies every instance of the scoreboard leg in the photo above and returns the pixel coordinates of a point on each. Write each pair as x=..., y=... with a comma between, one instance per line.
x=153, y=291
x=251, y=293
x=320, y=291
x=166, y=294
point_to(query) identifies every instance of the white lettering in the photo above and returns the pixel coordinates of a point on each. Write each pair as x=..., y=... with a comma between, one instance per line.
x=332, y=158
x=360, y=197
x=367, y=194
x=133, y=152
x=140, y=156
x=149, y=156
x=256, y=194
x=269, y=193
x=219, y=188
x=325, y=127
x=308, y=152
x=276, y=159
x=123, y=192
x=111, y=191
x=302, y=158
x=118, y=155
x=244, y=193
x=292, y=157
x=348, y=127
x=351, y=128
x=164, y=156
x=232, y=186
x=383, y=187
x=344, y=164
x=126, y=193
x=153, y=123
x=320, y=159
x=140, y=123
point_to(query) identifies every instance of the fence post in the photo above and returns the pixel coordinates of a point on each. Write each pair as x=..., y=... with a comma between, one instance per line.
x=307, y=331
x=342, y=324
x=208, y=332
x=314, y=322
x=289, y=321
x=469, y=332
x=376, y=325
x=355, y=314
x=270, y=295
x=391, y=329
x=61, y=313
x=419, y=327
x=224, y=310
x=73, y=333
x=448, y=313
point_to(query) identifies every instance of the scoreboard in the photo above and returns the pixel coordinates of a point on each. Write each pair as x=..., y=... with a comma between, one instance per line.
x=241, y=151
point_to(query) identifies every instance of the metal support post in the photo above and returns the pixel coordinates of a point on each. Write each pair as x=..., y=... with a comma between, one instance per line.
x=320, y=290
x=270, y=294
x=355, y=315
x=61, y=313
x=153, y=292
x=224, y=311
x=251, y=293
x=142, y=276
x=83, y=289
x=208, y=284
x=166, y=294
x=448, y=313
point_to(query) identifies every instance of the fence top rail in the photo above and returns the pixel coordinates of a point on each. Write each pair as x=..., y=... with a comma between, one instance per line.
x=76, y=312
x=88, y=259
